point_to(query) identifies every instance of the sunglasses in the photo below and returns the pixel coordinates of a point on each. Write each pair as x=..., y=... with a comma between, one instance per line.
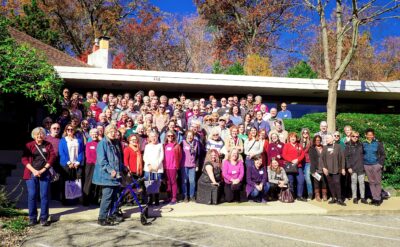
x=55, y=128
x=70, y=129
x=170, y=136
x=336, y=135
x=355, y=136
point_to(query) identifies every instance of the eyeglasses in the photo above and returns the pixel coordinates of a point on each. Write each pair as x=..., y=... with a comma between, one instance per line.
x=216, y=135
x=170, y=136
x=70, y=129
x=355, y=136
x=305, y=132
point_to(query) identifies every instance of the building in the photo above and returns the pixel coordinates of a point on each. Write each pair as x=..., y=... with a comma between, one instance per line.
x=303, y=95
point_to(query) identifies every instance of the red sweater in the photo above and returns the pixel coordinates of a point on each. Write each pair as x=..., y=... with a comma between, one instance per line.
x=27, y=156
x=131, y=160
x=291, y=152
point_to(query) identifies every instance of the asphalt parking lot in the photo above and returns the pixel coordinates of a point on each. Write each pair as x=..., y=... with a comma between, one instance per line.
x=290, y=230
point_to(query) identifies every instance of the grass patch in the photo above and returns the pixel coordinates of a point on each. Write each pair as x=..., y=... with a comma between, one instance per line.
x=16, y=224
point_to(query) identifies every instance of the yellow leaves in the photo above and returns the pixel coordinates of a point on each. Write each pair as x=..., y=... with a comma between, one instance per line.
x=257, y=65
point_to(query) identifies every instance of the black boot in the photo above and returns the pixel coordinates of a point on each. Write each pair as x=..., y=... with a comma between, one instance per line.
x=157, y=199
x=150, y=201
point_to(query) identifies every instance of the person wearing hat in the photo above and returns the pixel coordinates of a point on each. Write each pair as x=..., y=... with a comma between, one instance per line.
x=222, y=129
x=160, y=118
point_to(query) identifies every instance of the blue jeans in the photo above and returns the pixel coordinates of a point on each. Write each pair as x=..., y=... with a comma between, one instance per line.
x=307, y=178
x=38, y=184
x=256, y=194
x=108, y=198
x=152, y=175
x=188, y=175
x=300, y=181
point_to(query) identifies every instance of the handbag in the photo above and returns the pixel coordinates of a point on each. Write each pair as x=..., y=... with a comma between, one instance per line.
x=152, y=185
x=73, y=189
x=286, y=196
x=291, y=168
x=54, y=176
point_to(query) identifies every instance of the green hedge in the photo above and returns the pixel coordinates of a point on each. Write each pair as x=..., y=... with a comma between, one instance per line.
x=387, y=130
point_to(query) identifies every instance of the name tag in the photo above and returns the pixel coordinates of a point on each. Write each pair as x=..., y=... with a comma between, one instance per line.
x=272, y=148
x=44, y=150
x=234, y=172
x=227, y=111
x=169, y=148
x=187, y=148
x=261, y=172
x=279, y=145
x=92, y=147
x=330, y=149
x=298, y=148
x=285, y=115
x=167, y=111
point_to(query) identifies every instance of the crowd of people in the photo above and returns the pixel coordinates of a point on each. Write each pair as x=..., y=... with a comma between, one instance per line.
x=207, y=151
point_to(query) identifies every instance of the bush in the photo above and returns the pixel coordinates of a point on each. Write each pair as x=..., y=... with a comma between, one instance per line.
x=386, y=130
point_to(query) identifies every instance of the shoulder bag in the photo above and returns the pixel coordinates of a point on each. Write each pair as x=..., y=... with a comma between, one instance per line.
x=54, y=176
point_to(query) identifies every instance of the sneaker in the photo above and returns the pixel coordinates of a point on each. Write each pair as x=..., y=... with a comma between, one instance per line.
x=364, y=201
x=310, y=197
x=301, y=199
x=341, y=203
x=117, y=218
x=192, y=199
x=263, y=201
x=172, y=202
x=332, y=201
x=44, y=222
x=355, y=201
x=186, y=200
x=32, y=222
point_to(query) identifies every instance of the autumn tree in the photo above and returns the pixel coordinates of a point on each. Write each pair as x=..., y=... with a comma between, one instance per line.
x=243, y=27
x=387, y=61
x=302, y=70
x=33, y=21
x=360, y=66
x=257, y=65
x=362, y=13
x=191, y=34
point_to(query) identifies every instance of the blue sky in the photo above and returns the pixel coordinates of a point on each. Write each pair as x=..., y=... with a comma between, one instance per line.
x=186, y=7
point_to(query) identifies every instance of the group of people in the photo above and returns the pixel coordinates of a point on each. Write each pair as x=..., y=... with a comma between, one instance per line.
x=232, y=150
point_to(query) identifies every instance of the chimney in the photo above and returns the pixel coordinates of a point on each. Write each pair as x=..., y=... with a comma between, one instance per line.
x=101, y=56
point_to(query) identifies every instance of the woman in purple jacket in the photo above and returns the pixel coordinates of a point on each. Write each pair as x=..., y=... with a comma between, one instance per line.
x=189, y=166
x=257, y=180
x=233, y=172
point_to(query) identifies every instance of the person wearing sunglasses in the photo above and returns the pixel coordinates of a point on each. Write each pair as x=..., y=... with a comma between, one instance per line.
x=305, y=142
x=355, y=166
x=172, y=162
x=71, y=150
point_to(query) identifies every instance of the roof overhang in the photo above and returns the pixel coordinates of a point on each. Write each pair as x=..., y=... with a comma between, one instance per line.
x=123, y=79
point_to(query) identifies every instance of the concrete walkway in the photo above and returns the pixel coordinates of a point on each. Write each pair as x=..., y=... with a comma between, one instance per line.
x=78, y=213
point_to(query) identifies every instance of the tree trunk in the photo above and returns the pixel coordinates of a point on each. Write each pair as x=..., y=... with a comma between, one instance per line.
x=331, y=104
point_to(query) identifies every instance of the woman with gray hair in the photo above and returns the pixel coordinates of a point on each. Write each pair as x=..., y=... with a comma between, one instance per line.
x=107, y=173
x=38, y=156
